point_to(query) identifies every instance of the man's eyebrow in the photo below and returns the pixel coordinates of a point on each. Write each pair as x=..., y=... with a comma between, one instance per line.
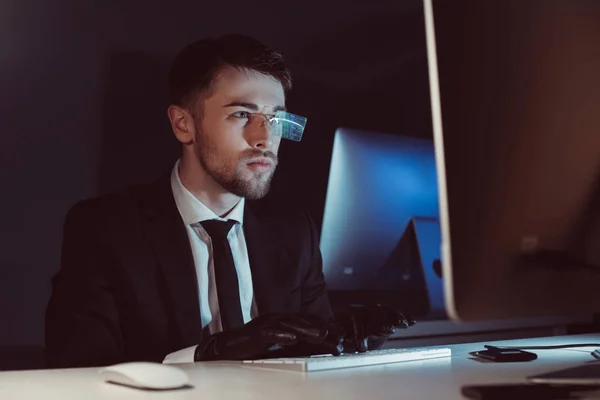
x=252, y=106
x=249, y=106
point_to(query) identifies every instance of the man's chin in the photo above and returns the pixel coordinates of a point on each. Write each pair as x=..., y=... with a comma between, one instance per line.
x=252, y=189
x=257, y=191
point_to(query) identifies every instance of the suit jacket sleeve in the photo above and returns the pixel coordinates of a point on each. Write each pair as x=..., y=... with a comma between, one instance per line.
x=314, y=290
x=82, y=321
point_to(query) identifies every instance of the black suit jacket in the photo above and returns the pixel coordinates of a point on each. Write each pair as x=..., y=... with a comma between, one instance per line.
x=127, y=287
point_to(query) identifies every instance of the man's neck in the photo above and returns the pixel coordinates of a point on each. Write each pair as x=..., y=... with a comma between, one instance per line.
x=205, y=189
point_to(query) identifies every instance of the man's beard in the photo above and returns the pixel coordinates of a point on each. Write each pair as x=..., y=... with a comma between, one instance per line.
x=228, y=176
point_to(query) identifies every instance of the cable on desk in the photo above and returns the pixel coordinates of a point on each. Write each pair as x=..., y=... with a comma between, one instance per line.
x=559, y=346
x=595, y=353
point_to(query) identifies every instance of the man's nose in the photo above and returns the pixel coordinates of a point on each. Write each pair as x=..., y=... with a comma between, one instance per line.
x=260, y=136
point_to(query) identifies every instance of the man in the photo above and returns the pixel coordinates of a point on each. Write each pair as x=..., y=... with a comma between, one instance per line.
x=191, y=267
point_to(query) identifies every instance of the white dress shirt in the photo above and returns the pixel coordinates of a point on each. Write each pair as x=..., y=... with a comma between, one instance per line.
x=193, y=211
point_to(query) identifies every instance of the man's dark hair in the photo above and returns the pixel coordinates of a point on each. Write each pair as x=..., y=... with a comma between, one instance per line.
x=198, y=64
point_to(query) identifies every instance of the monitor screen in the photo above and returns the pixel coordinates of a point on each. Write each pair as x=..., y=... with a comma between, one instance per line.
x=380, y=237
x=515, y=91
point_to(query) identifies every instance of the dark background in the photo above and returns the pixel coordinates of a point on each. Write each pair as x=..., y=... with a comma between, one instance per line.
x=83, y=109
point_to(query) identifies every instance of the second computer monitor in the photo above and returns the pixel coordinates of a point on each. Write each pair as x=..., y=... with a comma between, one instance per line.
x=380, y=238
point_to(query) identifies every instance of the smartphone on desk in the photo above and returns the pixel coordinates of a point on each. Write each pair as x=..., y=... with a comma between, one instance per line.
x=506, y=355
x=517, y=391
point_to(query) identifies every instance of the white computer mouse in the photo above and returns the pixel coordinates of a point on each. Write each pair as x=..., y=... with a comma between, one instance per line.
x=145, y=375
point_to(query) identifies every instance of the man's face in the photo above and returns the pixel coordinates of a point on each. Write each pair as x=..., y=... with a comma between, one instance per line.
x=233, y=145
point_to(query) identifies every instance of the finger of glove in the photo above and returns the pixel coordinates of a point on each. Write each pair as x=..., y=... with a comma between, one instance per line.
x=309, y=329
x=404, y=321
x=335, y=347
x=388, y=319
x=409, y=319
x=333, y=343
x=360, y=336
x=336, y=332
x=332, y=348
x=278, y=336
x=397, y=318
x=380, y=320
x=341, y=323
x=400, y=320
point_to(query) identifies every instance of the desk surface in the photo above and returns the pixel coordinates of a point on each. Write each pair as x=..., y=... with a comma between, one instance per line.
x=429, y=379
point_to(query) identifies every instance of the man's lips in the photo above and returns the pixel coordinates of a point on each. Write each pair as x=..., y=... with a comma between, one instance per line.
x=260, y=164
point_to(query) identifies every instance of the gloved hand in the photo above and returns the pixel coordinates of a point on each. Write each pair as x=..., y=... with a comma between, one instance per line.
x=263, y=337
x=367, y=327
x=333, y=344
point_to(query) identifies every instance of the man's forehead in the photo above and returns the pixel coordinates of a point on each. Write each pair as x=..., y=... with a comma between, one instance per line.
x=233, y=85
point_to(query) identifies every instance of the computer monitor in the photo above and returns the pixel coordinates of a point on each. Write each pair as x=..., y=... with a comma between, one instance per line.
x=515, y=94
x=380, y=237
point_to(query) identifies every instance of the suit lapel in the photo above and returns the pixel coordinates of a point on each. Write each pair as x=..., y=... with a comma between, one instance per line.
x=268, y=262
x=169, y=240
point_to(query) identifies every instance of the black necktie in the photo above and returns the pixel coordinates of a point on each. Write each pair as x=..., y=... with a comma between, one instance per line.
x=226, y=279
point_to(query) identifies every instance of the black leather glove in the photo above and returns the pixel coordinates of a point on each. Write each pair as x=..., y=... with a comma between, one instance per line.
x=333, y=344
x=367, y=327
x=264, y=337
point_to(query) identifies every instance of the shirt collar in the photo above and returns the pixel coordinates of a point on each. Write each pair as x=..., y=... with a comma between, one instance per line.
x=193, y=210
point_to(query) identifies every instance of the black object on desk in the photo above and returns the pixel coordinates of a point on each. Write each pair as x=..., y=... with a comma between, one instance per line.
x=523, y=391
x=505, y=354
x=587, y=374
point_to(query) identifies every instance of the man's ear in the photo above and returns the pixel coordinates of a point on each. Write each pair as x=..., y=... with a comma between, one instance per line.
x=182, y=124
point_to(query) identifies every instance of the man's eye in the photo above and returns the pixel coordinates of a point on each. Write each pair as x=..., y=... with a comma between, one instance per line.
x=241, y=114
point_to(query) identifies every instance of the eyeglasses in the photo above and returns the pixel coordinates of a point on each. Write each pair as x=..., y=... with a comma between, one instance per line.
x=287, y=125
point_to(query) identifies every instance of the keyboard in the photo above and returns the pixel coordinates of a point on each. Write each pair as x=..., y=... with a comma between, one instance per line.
x=328, y=362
